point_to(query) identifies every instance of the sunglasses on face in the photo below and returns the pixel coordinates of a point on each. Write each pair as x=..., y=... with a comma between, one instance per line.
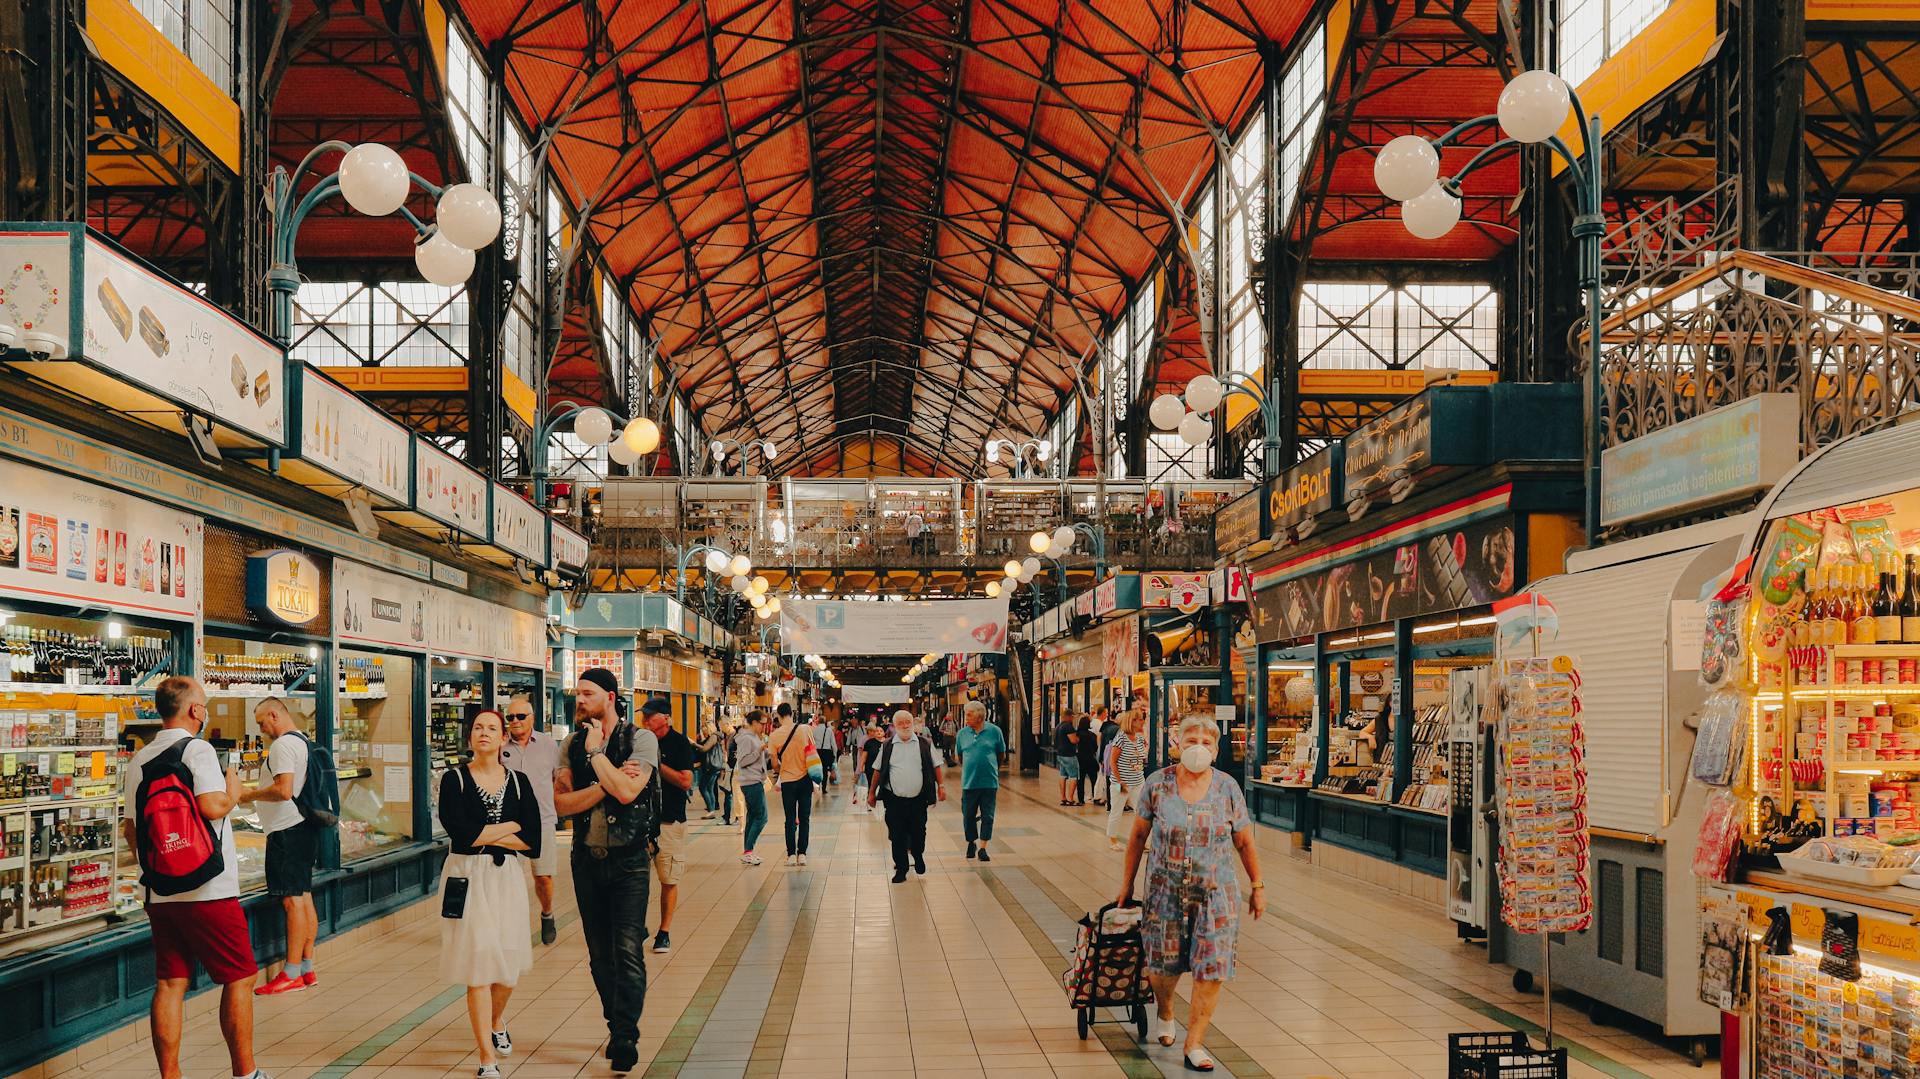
x=511, y=716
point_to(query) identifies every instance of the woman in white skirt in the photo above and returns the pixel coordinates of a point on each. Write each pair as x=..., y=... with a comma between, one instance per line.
x=486, y=942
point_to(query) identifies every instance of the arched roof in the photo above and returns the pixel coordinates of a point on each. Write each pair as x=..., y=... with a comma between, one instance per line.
x=850, y=219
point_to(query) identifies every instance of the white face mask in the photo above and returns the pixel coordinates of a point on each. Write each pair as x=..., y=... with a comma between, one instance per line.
x=1196, y=758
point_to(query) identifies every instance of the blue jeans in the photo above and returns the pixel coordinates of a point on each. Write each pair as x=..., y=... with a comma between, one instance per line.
x=976, y=812
x=709, y=780
x=756, y=795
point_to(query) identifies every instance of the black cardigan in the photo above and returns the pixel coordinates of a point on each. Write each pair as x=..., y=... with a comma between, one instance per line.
x=463, y=814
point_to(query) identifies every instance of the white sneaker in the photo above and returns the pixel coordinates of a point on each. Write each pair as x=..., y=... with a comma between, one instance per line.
x=488, y=1071
x=803, y=858
x=791, y=859
x=749, y=858
x=503, y=1043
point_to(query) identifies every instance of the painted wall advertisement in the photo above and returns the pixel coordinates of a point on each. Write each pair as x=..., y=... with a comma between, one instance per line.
x=353, y=440
x=371, y=606
x=1120, y=648
x=1440, y=570
x=448, y=491
x=518, y=527
x=64, y=540
x=153, y=333
x=1716, y=457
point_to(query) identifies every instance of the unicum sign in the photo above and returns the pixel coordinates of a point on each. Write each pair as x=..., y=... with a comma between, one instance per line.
x=283, y=587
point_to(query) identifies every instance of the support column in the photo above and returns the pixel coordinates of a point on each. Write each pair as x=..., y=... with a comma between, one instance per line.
x=48, y=112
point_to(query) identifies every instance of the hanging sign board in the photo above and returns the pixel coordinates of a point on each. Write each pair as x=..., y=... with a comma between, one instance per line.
x=283, y=588
x=518, y=528
x=567, y=549
x=1304, y=491
x=895, y=694
x=519, y=637
x=1178, y=640
x=1730, y=452
x=1180, y=591
x=353, y=440
x=841, y=627
x=1228, y=584
x=378, y=608
x=67, y=541
x=1121, y=592
x=448, y=491
x=1237, y=524
x=1444, y=427
x=459, y=624
x=1083, y=605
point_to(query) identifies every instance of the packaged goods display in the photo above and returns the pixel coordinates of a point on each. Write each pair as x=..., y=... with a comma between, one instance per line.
x=1429, y=789
x=1544, y=887
x=373, y=752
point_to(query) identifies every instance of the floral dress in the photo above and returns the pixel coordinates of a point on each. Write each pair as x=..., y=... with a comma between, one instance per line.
x=1193, y=893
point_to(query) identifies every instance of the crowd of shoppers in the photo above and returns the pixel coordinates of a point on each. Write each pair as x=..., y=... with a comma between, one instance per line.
x=625, y=788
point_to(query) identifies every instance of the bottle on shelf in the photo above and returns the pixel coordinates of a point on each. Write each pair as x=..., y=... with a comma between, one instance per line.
x=1886, y=605
x=1910, y=603
x=1864, y=629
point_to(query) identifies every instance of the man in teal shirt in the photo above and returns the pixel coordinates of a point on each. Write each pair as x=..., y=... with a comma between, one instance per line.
x=980, y=747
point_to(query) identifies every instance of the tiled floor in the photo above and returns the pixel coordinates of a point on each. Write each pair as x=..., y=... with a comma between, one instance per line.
x=831, y=970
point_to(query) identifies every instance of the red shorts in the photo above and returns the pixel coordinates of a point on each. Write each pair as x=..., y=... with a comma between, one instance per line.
x=213, y=933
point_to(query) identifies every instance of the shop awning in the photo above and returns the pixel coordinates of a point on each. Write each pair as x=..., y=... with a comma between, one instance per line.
x=1852, y=470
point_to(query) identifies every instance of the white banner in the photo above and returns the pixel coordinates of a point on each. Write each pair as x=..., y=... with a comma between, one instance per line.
x=69, y=541
x=352, y=439
x=518, y=527
x=374, y=607
x=460, y=625
x=910, y=627
x=569, y=549
x=896, y=694
x=152, y=332
x=519, y=638
x=448, y=491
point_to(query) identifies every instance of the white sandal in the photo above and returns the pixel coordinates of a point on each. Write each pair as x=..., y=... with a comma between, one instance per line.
x=1164, y=1030
x=1197, y=1061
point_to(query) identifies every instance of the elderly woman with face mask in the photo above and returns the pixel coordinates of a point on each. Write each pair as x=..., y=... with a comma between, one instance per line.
x=1197, y=820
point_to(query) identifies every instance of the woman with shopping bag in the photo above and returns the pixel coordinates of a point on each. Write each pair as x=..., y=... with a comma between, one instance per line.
x=800, y=770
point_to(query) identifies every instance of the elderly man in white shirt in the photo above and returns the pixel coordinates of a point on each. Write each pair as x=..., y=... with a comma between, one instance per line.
x=909, y=778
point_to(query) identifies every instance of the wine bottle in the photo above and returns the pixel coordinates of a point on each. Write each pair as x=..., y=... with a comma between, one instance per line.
x=1865, y=628
x=1886, y=605
x=1910, y=603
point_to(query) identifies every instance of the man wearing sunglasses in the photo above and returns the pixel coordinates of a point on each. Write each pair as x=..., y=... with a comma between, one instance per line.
x=536, y=755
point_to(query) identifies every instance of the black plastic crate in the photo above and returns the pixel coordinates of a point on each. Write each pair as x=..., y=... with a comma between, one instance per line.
x=1505, y=1055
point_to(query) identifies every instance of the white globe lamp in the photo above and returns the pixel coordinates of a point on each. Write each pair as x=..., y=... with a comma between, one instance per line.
x=1196, y=429
x=773, y=604
x=741, y=565
x=1534, y=106
x=1030, y=568
x=742, y=585
x=1407, y=165
x=373, y=179
x=756, y=599
x=770, y=450
x=763, y=613
x=642, y=436
x=761, y=584
x=993, y=589
x=1204, y=393
x=717, y=560
x=468, y=216
x=1165, y=411
x=593, y=426
x=1039, y=542
x=1012, y=568
x=1063, y=538
x=1431, y=215
x=620, y=454
x=442, y=261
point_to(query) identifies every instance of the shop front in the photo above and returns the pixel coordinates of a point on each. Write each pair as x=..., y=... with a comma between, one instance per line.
x=1387, y=552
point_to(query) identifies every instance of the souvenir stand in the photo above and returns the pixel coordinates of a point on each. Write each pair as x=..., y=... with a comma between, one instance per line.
x=1180, y=650
x=1385, y=552
x=1808, y=766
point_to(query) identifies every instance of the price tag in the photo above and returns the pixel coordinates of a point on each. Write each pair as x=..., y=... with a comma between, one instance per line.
x=66, y=765
x=10, y=765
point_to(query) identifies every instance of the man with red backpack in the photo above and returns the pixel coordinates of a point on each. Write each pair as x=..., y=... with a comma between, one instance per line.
x=178, y=801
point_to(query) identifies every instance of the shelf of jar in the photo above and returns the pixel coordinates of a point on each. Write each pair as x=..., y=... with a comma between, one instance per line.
x=60, y=749
x=1873, y=651
x=74, y=856
x=26, y=804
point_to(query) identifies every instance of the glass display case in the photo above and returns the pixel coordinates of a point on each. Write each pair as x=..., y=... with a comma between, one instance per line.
x=75, y=699
x=1360, y=739
x=1290, y=744
x=373, y=750
x=456, y=692
x=238, y=675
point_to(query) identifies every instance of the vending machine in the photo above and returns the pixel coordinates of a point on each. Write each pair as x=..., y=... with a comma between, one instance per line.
x=1470, y=768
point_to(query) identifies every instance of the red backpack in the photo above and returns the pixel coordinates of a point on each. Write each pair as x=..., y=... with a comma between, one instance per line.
x=177, y=847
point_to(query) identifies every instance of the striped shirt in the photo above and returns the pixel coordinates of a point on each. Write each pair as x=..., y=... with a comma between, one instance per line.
x=1130, y=758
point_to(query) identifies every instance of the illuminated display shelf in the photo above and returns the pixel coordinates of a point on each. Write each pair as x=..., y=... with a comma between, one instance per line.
x=1829, y=693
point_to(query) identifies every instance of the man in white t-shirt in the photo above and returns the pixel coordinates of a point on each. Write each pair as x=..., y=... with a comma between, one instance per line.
x=293, y=842
x=536, y=755
x=205, y=925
